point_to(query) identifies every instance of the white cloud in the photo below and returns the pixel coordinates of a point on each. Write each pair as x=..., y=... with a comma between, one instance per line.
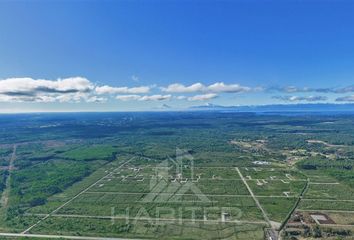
x=96, y=99
x=29, y=86
x=293, y=89
x=217, y=87
x=180, y=88
x=128, y=97
x=5, y=98
x=121, y=90
x=348, y=89
x=300, y=98
x=78, y=89
x=345, y=99
x=202, y=97
x=157, y=97
x=42, y=90
x=222, y=87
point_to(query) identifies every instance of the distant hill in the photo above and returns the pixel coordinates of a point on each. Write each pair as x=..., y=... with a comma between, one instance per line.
x=319, y=107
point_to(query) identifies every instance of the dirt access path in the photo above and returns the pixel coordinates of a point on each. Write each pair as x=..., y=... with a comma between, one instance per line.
x=5, y=195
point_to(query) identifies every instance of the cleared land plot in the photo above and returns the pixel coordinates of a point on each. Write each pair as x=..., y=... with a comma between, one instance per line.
x=329, y=191
x=341, y=218
x=270, y=173
x=122, y=186
x=318, y=176
x=145, y=185
x=122, y=205
x=231, y=187
x=276, y=188
x=222, y=187
x=319, y=204
x=172, y=173
x=277, y=208
x=212, y=173
x=148, y=229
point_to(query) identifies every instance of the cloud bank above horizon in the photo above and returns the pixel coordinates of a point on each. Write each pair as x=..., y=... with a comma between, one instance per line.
x=81, y=89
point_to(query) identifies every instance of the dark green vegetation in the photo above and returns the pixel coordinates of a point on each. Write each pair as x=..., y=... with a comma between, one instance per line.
x=70, y=166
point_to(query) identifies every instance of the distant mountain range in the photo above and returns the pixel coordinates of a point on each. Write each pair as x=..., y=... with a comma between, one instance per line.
x=317, y=107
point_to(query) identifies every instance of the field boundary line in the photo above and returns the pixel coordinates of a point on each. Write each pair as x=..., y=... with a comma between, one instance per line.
x=324, y=183
x=149, y=219
x=327, y=200
x=76, y=196
x=303, y=192
x=337, y=225
x=62, y=236
x=253, y=179
x=325, y=210
x=190, y=194
x=271, y=231
x=5, y=194
x=265, y=216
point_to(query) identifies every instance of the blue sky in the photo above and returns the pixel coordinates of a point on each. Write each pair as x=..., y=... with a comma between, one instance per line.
x=150, y=55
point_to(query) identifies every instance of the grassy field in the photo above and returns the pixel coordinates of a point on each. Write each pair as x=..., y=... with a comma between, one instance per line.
x=150, y=230
x=330, y=191
x=326, y=204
